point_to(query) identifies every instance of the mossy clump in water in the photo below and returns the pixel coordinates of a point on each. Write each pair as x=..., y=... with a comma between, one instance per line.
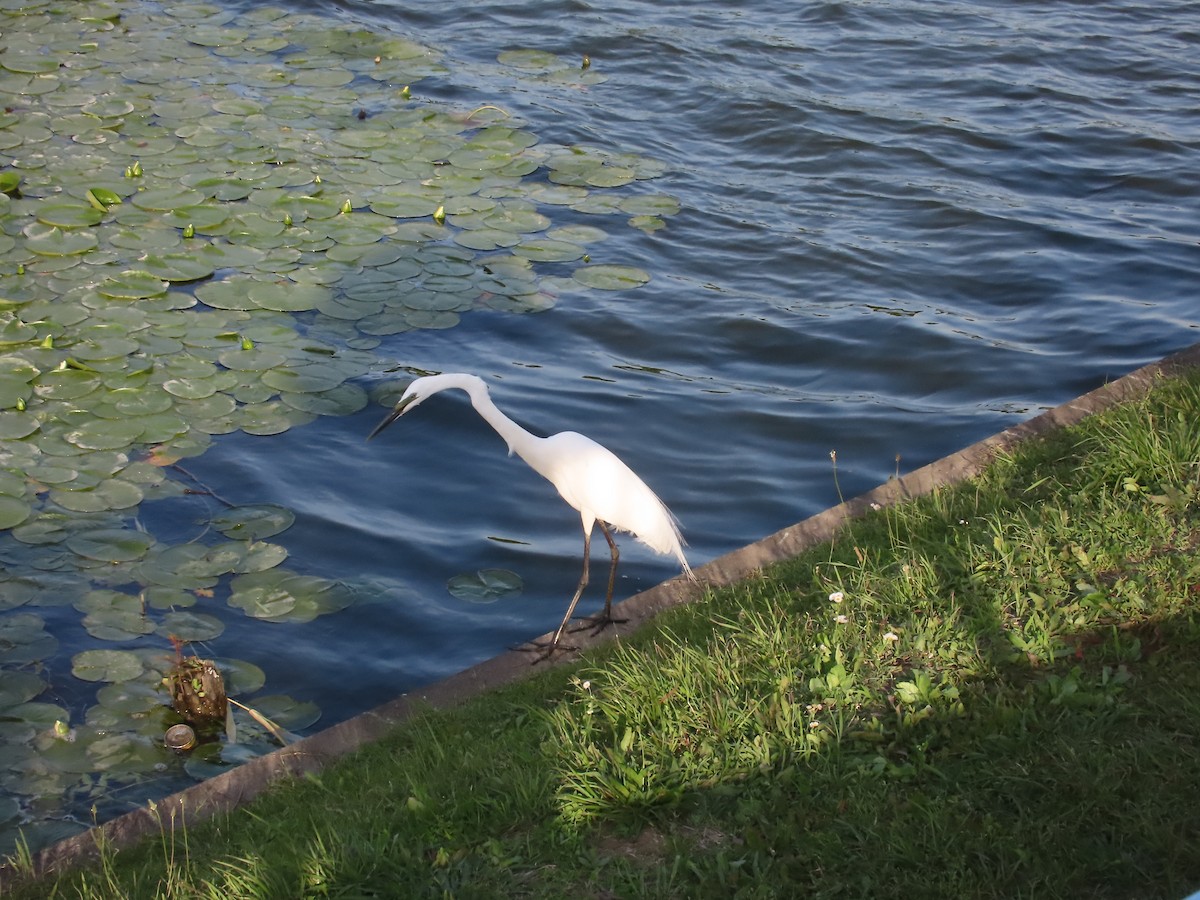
x=197, y=691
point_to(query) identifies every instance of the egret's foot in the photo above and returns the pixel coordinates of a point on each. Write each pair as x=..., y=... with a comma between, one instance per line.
x=544, y=650
x=596, y=623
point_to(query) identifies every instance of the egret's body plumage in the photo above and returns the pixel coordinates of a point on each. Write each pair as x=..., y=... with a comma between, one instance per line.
x=587, y=475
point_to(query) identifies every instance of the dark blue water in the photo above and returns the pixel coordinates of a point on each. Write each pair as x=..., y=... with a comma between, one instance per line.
x=904, y=227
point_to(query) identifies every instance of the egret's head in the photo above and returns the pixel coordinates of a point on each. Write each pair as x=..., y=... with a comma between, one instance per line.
x=428, y=385
x=411, y=397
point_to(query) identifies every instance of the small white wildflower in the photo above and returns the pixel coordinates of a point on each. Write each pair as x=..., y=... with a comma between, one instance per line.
x=875, y=506
x=586, y=685
x=841, y=620
x=891, y=636
x=837, y=597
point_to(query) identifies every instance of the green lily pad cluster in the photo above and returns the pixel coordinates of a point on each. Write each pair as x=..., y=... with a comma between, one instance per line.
x=49, y=754
x=210, y=222
x=51, y=760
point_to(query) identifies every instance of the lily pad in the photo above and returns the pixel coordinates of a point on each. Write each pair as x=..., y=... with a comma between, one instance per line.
x=271, y=418
x=159, y=597
x=14, y=392
x=165, y=199
x=39, y=713
x=286, y=712
x=342, y=400
x=260, y=556
x=530, y=60
x=255, y=522
x=12, y=484
x=66, y=384
x=19, y=687
x=287, y=297
x=15, y=332
x=252, y=359
x=611, y=278
x=201, y=561
x=13, y=511
x=124, y=752
x=178, y=267
x=133, y=285
x=141, y=402
x=279, y=595
x=17, y=425
x=650, y=205
x=111, y=544
x=68, y=215
x=122, y=621
x=241, y=676
x=486, y=585
x=273, y=602
x=44, y=528
x=303, y=379
x=23, y=639
x=648, y=224
x=106, y=665
x=48, y=240
x=128, y=696
x=105, y=434
x=110, y=494
x=191, y=626
x=547, y=250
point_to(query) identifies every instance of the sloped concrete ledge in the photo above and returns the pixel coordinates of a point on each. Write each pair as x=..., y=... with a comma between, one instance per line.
x=237, y=786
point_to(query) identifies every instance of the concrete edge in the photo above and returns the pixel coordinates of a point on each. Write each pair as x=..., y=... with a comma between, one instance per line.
x=237, y=786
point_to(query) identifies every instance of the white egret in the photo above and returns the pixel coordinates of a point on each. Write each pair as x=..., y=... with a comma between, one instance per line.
x=587, y=475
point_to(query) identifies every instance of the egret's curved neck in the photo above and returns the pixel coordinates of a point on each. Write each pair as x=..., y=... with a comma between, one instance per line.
x=519, y=441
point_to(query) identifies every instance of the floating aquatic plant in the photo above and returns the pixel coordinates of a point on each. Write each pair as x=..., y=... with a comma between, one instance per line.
x=486, y=585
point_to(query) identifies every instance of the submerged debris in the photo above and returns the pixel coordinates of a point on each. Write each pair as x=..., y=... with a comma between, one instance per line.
x=197, y=691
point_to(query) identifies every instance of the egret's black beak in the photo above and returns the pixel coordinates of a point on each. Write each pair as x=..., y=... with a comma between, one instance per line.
x=396, y=413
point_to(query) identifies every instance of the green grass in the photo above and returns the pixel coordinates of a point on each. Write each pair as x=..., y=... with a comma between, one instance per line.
x=989, y=692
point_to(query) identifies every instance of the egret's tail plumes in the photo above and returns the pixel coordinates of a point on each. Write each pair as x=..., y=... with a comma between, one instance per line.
x=660, y=532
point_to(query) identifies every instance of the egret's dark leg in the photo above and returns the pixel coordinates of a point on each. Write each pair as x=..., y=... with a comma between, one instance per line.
x=598, y=623
x=547, y=650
